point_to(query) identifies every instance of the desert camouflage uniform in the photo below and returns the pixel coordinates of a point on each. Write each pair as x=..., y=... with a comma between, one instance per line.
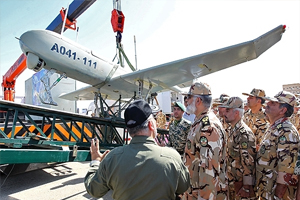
x=178, y=132
x=257, y=122
x=295, y=120
x=297, y=167
x=241, y=153
x=161, y=120
x=277, y=153
x=205, y=155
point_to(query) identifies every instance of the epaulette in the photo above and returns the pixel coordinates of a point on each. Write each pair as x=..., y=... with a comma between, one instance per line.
x=279, y=126
x=205, y=121
x=243, y=130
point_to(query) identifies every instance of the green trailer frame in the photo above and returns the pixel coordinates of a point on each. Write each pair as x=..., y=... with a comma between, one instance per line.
x=32, y=134
x=41, y=145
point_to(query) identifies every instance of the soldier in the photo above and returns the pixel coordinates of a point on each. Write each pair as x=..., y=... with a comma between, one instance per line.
x=297, y=172
x=140, y=170
x=297, y=167
x=171, y=119
x=277, y=154
x=255, y=117
x=222, y=101
x=246, y=108
x=161, y=120
x=298, y=112
x=241, y=151
x=295, y=118
x=205, y=149
x=214, y=106
x=179, y=128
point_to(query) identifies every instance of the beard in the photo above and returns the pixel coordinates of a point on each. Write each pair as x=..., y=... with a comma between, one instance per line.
x=226, y=119
x=191, y=109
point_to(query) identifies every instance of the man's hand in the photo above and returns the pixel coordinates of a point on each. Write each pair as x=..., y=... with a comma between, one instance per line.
x=95, y=153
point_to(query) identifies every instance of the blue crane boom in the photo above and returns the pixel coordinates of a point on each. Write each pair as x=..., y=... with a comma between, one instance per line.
x=76, y=8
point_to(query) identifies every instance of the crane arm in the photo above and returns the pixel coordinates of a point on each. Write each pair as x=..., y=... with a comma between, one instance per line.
x=9, y=79
x=76, y=8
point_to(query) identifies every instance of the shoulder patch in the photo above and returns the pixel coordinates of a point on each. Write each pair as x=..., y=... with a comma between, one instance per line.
x=279, y=126
x=244, y=145
x=282, y=140
x=205, y=121
x=203, y=141
x=243, y=130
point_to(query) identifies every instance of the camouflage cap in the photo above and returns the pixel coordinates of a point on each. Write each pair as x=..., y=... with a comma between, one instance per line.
x=224, y=95
x=199, y=89
x=222, y=100
x=256, y=93
x=233, y=102
x=216, y=102
x=283, y=97
x=298, y=100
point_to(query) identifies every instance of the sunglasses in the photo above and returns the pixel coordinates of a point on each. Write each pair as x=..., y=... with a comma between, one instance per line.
x=190, y=96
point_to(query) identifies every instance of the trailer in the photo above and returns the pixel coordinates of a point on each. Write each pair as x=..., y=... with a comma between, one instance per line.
x=32, y=134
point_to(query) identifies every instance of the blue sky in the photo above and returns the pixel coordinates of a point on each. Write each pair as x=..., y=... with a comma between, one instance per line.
x=168, y=30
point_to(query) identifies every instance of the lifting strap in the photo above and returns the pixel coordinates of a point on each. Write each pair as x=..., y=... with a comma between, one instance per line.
x=117, y=22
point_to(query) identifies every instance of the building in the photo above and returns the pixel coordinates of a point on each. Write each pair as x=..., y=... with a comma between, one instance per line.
x=293, y=88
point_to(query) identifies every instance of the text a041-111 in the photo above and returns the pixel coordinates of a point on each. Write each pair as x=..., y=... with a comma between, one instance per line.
x=72, y=55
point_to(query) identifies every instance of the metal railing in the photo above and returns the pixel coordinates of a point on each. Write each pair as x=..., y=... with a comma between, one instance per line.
x=35, y=134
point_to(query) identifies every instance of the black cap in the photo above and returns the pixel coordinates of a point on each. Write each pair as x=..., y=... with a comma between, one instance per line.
x=136, y=113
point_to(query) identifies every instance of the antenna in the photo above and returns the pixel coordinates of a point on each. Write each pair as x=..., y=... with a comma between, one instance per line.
x=77, y=34
x=135, y=53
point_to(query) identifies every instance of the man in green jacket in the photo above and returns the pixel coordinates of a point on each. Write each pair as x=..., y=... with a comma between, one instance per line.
x=140, y=170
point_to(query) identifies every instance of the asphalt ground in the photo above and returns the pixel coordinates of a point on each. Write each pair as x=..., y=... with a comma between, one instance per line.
x=62, y=181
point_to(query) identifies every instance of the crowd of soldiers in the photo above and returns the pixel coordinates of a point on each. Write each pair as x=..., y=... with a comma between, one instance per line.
x=241, y=150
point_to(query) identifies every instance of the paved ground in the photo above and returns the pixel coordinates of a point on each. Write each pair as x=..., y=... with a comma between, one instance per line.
x=63, y=181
